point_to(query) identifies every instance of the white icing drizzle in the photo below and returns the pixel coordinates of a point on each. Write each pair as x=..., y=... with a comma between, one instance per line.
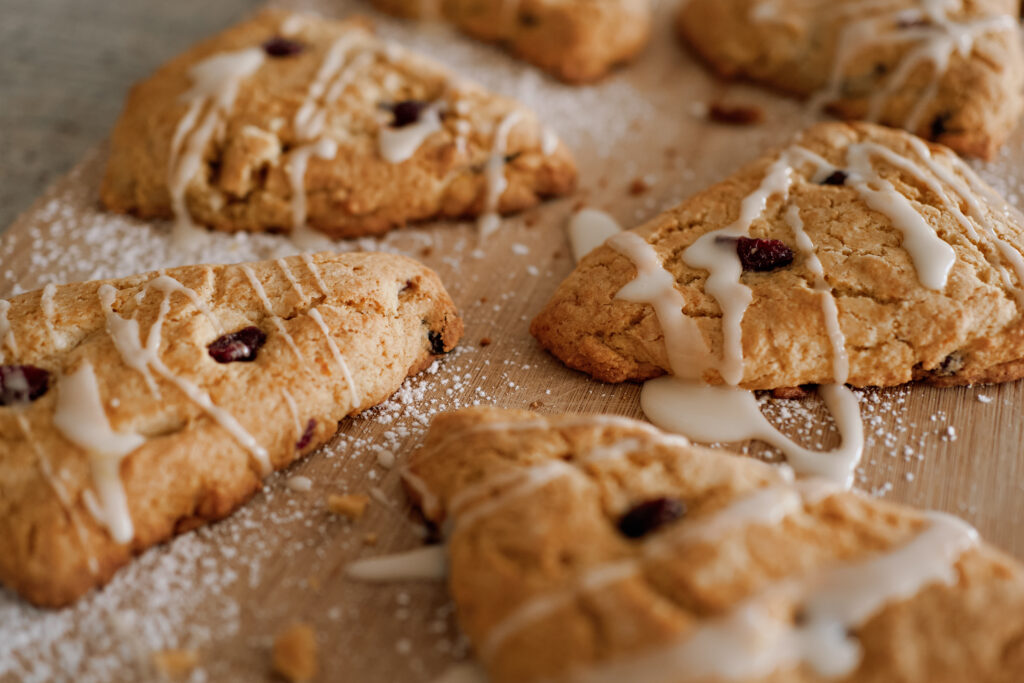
x=422, y=564
x=46, y=304
x=756, y=638
x=6, y=333
x=399, y=144
x=429, y=502
x=311, y=114
x=167, y=284
x=283, y=265
x=289, y=401
x=80, y=417
x=338, y=359
x=315, y=272
x=125, y=334
x=715, y=414
x=494, y=174
x=933, y=38
x=215, y=83
x=588, y=229
x=269, y=308
x=298, y=160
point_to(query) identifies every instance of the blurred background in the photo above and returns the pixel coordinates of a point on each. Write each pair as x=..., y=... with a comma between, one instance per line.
x=67, y=65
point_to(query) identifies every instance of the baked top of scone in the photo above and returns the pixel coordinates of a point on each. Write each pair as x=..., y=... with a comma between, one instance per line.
x=858, y=254
x=291, y=120
x=592, y=548
x=951, y=71
x=577, y=41
x=137, y=408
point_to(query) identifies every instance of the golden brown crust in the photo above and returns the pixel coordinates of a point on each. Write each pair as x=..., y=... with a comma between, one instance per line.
x=578, y=41
x=974, y=108
x=513, y=545
x=244, y=182
x=387, y=315
x=896, y=330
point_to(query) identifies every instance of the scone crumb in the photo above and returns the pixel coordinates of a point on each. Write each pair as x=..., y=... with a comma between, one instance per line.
x=735, y=114
x=790, y=392
x=351, y=505
x=175, y=663
x=536, y=404
x=295, y=653
x=639, y=186
x=486, y=341
x=370, y=539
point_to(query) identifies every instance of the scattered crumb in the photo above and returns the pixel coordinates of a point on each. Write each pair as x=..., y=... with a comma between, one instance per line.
x=295, y=653
x=300, y=483
x=370, y=539
x=486, y=341
x=349, y=505
x=536, y=404
x=982, y=398
x=639, y=186
x=579, y=206
x=530, y=220
x=426, y=251
x=386, y=458
x=175, y=663
x=735, y=114
x=790, y=392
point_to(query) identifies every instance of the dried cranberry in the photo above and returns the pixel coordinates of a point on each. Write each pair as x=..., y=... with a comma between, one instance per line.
x=436, y=343
x=650, y=515
x=836, y=178
x=763, y=255
x=279, y=46
x=307, y=436
x=240, y=346
x=407, y=112
x=22, y=383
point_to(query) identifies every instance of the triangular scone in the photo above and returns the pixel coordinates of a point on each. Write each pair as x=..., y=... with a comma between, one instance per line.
x=290, y=120
x=599, y=549
x=949, y=71
x=576, y=40
x=908, y=267
x=134, y=409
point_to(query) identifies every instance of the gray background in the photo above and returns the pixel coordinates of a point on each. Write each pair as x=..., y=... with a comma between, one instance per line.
x=65, y=66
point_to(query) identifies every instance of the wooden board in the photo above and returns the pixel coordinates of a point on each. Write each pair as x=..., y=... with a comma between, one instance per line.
x=227, y=589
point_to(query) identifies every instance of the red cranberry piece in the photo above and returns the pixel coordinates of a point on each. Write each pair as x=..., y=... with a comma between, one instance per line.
x=763, y=255
x=407, y=112
x=240, y=346
x=278, y=46
x=307, y=436
x=436, y=343
x=836, y=178
x=22, y=384
x=650, y=515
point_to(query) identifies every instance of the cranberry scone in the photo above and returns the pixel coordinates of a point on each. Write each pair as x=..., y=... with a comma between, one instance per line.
x=593, y=548
x=858, y=254
x=949, y=71
x=290, y=122
x=578, y=41
x=138, y=408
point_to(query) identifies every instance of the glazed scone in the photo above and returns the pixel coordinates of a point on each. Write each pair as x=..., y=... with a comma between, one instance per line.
x=895, y=263
x=135, y=409
x=952, y=72
x=289, y=120
x=592, y=548
x=577, y=41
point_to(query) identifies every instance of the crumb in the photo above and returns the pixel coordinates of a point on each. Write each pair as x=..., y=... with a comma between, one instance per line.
x=486, y=341
x=426, y=251
x=982, y=398
x=483, y=299
x=557, y=254
x=349, y=505
x=295, y=653
x=735, y=114
x=638, y=186
x=536, y=404
x=530, y=220
x=175, y=663
x=370, y=539
x=790, y=392
x=579, y=206
x=299, y=483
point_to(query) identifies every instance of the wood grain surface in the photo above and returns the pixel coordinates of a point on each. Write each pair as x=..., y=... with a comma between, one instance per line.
x=226, y=590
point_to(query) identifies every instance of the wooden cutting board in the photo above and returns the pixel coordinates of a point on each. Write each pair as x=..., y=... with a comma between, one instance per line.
x=226, y=590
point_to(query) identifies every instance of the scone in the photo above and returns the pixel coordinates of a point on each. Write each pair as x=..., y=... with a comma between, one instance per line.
x=576, y=40
x=952, y=72
x=289, y=120
x=135, y=409
x=599, y=549
x=858, y=254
